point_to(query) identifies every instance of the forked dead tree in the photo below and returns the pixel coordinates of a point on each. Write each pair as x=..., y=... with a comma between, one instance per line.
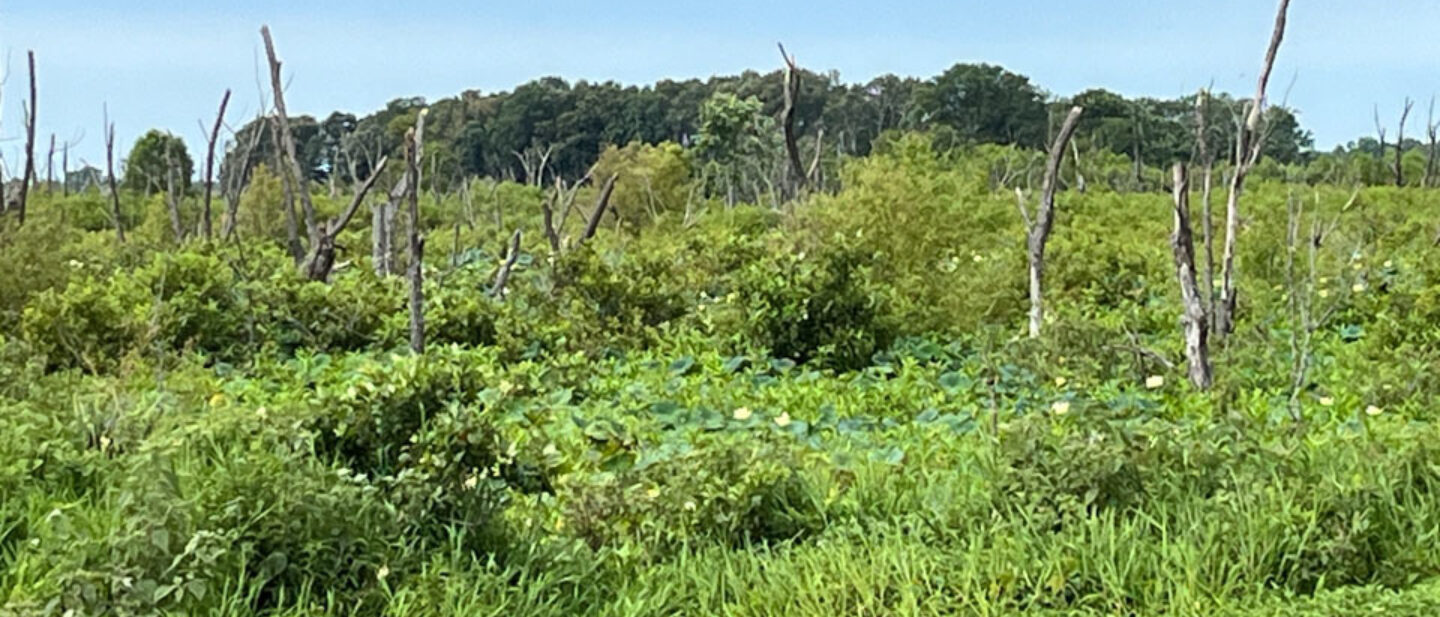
x=1194, y=321
x=235, y=181
x=322, y=258
x=1039, y=225
x=1249, y=141
x=205, y=226
x=502, y=276
x=1207, y=225
x=1400, y=144
x=29, y=173
x=787, y=120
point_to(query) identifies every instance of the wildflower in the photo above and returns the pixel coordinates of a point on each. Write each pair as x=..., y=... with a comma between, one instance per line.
x=1358, y=266
x=550, y=450
x=652, y=493
x=262, y=412
x=1060, y=382
x=783, y=420
x=472, y=481
x=977, y=258
x=689, y=505
x=1326, y=401
x=1060, y=408
x=1373, y=411
x=104, y=442
x=742, y=413
x=1155, y=381
x=1358, y=288
x=383, y=572
x=1324, y=293
x=217, y=399
x=1389, y=264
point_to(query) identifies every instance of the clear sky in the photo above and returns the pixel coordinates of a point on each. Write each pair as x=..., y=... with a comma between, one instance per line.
x=164, y=64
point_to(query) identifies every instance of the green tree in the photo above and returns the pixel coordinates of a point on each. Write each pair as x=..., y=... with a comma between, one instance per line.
x=154, y=156
x=984, y=103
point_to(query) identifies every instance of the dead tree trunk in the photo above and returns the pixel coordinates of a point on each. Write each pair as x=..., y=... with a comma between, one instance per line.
x=382, y=227
x=50, y=166
x=414, y=150
x=292, y=224
x=1207, y=161
x=1194, y=320
x=235, y=188
x=110, y=177
x=1432, y=131
x=1400, y=144
x=322, y=257
x=29, y=173
x=502, y=277
x=1380, y=132
x=787, y=121
x=1039, y=225
x=172, y=199
x=1248, y=143
x=594, y=223
x=205, y=226
x=287, y=142
x=65, y=169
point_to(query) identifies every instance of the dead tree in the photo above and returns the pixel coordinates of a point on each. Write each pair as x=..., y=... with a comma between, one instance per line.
x=1432, y=131
x=592, y=225
x=205, y=227
x=292, y=224
x=235, y=187
x=1194, y=321
x=322, y=257
x=110, y=178
x=1249, y=141
x=813, y=175
x=287, y=142
x=65, y=169
x=172, y=198
x=415, y=144
x=1039, y=225
x=382, y=227
x=1400, y=144
x=50, y=166
x=787, y=120
x=502, y=277
x=1207, y=162
x=1380, y=132
x=29, y=173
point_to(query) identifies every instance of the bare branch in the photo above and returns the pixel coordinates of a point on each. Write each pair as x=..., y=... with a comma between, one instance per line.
x=1045, y=219
x=205, y=227
x=594, y=223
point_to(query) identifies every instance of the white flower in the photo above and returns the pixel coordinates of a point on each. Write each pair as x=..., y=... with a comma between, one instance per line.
x=383, y=572
x=742, y=413
x=1155, y=381
x=1060, y=382
x=1373, y=411
x=472, y=481
x=652, y=493
x=1324, y=293
x=689, y=506
x=783, y=420
x=261, y=412
x=104, y=442
x=1326, y=401
x=1358, y=288
x=1060, y=408
x=977, y=258
x=1389, y=264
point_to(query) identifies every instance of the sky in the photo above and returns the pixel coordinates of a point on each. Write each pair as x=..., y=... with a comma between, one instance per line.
x=165, y=64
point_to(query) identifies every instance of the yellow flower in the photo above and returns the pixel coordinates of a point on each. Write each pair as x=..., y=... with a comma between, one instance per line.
x=1326, y=401
x=104, y=442
x=1155, y=381
x=472, y=482
x=1373, y=411
x=977, y=258
x=1358, y=288
x=217, y=399
x=742, y=413
x=783, y=420
x=262, y=412
x=1060, y=407
x=1389, y=264
x=1324, y=293
x=652, y=493
x=1060, y=382
x=1357, y=266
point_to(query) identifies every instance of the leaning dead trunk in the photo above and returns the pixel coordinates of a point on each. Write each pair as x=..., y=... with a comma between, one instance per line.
x=1044, y=219
x=286, y=143
x=594, y=223
x=29, y=173
x=1248, y=143
x=502, y=277
x=205, y=226
x=1194, y=320
x=1400, y=144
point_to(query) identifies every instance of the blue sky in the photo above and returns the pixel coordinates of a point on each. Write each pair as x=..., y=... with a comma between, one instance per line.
x=164, y=64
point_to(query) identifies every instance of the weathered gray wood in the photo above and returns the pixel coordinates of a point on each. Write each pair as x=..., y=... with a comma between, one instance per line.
x=110, y=178
x=1194, y=322
x=415, y=144
x=205, y=226
x=29, y=173
x=600, y=204
x=287, y=143
x=787, y=120
x=1044, y=220
x=502, y=277
x=322, y=257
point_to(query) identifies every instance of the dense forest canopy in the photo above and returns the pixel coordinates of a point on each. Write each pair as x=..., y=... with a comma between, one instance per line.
x=505, y=134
